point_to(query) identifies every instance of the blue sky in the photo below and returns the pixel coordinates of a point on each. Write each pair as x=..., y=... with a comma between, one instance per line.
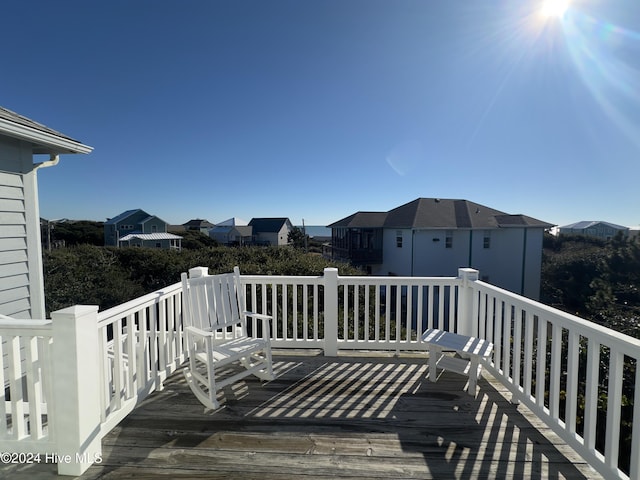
x=317, y=109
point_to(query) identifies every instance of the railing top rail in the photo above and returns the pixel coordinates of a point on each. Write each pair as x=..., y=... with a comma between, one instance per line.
x=14, y=326
x=342, y=279
x=385, y=280
x=280, y=278
x=585, y=327
x=134, y=305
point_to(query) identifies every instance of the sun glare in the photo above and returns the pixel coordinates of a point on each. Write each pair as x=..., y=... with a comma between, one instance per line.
x=554, y=8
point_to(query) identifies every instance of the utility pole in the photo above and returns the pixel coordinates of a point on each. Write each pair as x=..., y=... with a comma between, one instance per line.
x=304, y=232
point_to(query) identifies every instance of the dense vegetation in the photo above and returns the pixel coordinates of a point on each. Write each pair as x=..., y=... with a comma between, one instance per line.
x=105, y=276
x=71, y=233
x=594, y=279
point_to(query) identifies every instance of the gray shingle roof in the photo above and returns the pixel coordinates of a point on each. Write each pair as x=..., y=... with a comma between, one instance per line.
x=590, y=223
x=362, y=220
x=198, y=223
x=267, y=224
x=45, y=139
x=440, y=213
x=123, y=215
x=14, y=117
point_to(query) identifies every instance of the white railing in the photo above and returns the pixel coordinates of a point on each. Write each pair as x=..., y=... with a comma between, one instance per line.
x=296, y=304
x=68, y=381
x=86, y=370
x=140, y=345
x=570, y=372
x=375, y=313
x=25, y=416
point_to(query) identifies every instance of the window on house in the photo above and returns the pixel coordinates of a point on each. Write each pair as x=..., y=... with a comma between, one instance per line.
x=448, y=239
x=154, y=228
x=486, y=242
x=399, y=238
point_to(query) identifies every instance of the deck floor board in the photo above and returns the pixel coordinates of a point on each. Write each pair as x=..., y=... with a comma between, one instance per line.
x=357, y=417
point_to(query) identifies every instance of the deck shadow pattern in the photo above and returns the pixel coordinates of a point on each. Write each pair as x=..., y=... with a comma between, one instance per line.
x=344, y=417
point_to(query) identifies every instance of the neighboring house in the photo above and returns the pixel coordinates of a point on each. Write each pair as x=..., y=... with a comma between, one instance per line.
x=271, y=231
x=599, y=229
x=21, y=275
x=232, y=235
x=138, y=228
x=435, y=237
x=233, y=231
x=202, y=226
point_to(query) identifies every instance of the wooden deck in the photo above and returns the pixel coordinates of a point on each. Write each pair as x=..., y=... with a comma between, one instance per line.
x=360, y=417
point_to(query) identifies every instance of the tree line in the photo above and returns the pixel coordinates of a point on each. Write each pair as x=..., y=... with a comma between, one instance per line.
x=108, y=276
x=592, y=278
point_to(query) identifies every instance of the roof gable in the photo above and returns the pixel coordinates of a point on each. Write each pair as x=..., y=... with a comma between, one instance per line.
x=124, y=215
x=268, y=224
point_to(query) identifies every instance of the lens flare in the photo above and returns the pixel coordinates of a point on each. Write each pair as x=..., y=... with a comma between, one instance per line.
x=554, y=8
x=605, y=55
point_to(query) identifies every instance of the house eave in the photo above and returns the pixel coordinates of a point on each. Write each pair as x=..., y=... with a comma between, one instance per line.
x=50, y=143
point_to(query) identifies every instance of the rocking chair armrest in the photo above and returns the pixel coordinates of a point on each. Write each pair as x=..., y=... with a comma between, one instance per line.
x=260, y=316
x=266, y=322
x=199, y=332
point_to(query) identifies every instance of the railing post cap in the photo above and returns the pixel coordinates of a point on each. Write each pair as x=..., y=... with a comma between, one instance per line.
x=331, y=272
x=468, y=273
x=76, y=311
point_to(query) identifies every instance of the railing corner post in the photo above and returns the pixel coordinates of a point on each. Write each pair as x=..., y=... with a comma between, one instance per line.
x=466, y=323
x=76, y=387
x=331, y=312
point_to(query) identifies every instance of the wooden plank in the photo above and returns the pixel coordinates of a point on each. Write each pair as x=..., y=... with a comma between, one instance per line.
x=347, y=418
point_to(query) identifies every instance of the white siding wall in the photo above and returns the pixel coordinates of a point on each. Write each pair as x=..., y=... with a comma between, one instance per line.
x=433, y=258
x=21, y=283
x=396, y=261
x=502, y=261
x=533, y=263
x=509, y=253
x=424, y=253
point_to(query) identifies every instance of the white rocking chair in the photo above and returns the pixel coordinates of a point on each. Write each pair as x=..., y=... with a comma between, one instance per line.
x=216, y=334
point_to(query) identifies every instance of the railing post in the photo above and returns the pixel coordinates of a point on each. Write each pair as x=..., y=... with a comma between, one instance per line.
x=466, y=324
x=76, y=388
x=331, y=312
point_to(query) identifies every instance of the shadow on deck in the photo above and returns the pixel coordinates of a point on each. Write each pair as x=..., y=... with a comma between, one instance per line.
x=347, y=417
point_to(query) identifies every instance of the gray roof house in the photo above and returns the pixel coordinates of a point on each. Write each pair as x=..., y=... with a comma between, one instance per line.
x=198, y=224
x=599, y=229
x=435, y=237
x=232, y=234
x=136, y=228
x=271, y=231
x=21, y=276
